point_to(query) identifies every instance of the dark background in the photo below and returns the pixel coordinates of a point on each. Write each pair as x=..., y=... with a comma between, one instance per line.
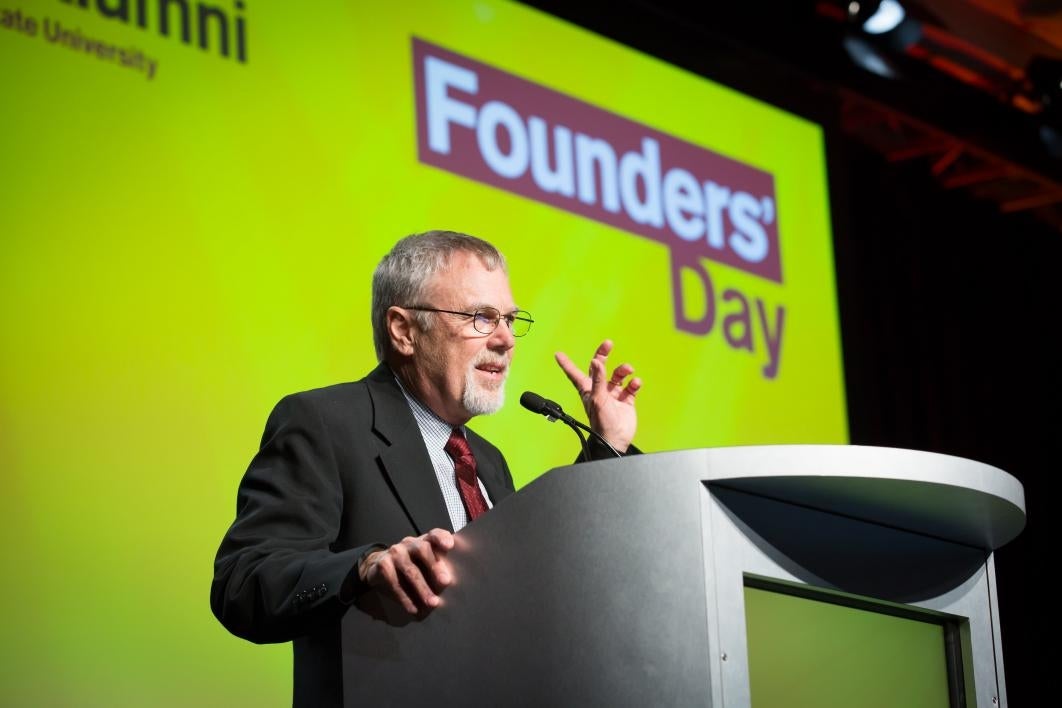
x=947, y=311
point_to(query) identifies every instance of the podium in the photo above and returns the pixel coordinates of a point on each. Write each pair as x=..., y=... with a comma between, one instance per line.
x=625, y=582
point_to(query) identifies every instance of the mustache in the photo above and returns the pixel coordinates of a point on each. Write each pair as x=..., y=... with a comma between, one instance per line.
x=489, y=358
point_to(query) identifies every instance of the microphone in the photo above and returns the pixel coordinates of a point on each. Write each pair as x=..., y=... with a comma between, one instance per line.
x=543, y=406
x=552, y=410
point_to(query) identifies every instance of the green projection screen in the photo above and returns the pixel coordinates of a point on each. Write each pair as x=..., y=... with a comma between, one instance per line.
x=195, y=195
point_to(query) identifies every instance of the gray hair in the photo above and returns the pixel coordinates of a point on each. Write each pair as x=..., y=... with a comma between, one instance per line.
x=402, y=275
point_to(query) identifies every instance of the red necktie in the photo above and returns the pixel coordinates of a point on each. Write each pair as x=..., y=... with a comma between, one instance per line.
x=465, y=467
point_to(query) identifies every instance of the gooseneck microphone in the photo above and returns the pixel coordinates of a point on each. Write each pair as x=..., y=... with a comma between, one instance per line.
x=552, y=410
x=543, y=406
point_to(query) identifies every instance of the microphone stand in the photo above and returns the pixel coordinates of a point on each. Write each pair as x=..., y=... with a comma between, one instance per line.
x=553, y=412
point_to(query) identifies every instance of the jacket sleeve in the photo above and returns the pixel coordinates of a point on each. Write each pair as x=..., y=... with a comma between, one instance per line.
x=276, y=576
x=598, y=451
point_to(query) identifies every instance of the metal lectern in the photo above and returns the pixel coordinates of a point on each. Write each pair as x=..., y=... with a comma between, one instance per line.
x=623, y=582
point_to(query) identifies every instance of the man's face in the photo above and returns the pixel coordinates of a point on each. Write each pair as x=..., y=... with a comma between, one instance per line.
x=462, y=372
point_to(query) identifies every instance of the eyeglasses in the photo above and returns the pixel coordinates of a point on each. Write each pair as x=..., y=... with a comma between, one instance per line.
x=486, y=319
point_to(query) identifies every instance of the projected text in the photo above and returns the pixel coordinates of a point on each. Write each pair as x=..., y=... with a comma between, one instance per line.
x=496, y=128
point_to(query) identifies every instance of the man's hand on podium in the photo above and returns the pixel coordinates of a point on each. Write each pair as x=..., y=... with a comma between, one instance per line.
x=412, y=572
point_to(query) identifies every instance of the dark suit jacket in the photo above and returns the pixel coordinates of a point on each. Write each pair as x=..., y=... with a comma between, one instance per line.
x=340, y=470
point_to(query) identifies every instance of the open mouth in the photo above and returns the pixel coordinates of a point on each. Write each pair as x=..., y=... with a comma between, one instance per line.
x=492, y=370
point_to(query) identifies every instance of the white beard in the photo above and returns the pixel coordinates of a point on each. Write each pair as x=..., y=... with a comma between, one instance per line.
x=480, y=399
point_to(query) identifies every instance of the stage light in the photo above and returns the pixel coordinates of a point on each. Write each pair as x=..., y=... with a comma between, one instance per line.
x=887, y=17
x=868, y=57
x=881, y=29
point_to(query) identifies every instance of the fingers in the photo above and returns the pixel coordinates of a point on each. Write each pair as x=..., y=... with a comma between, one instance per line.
x=429, y=562
x=578, y=379
x=597, y=383
x=629, y=392
x=614, y=386
x=620, y=373
x=440, y=539
x=412, y=571
x=603, y=350
x=597, y=376
x=387, y=578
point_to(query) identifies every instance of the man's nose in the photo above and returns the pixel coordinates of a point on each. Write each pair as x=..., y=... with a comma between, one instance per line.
x=502, y=339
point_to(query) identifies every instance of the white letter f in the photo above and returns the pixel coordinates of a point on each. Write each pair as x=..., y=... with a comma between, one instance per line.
x=443, y=110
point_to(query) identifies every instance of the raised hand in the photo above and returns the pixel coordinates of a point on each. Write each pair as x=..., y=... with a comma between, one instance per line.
x=608, y=400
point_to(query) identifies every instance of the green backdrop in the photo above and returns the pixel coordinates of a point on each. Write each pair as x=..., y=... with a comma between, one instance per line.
x=182, y=245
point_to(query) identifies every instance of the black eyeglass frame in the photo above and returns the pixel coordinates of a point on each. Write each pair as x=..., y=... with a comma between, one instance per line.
x=482, y=318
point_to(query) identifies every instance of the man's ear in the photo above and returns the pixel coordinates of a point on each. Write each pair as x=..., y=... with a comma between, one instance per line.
x=401, y=328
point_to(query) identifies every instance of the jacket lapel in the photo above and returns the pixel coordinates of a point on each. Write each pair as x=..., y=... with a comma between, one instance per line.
x=405, y=461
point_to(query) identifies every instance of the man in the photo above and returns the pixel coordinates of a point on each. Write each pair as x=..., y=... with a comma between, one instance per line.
x=359, y=487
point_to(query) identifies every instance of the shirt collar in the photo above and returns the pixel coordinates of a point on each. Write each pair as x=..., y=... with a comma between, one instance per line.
x=432, y=427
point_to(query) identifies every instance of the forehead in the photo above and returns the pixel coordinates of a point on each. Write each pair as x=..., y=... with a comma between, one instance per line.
x=466, y=282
